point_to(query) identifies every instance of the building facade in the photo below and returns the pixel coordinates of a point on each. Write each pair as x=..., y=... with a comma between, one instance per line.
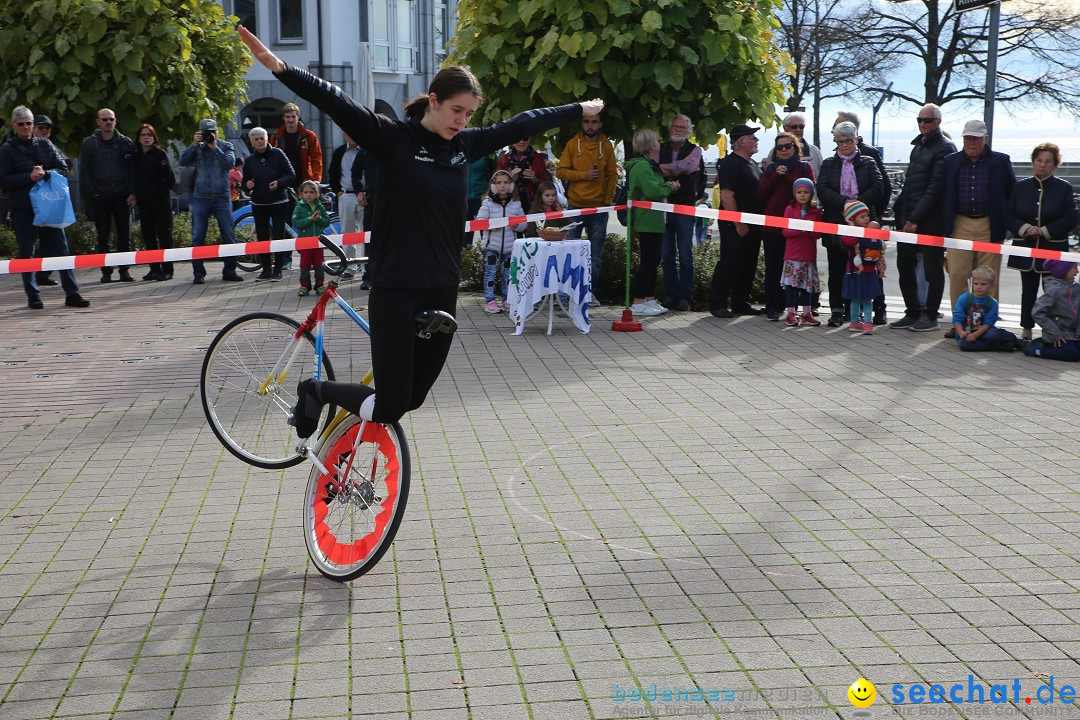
x=393, y=47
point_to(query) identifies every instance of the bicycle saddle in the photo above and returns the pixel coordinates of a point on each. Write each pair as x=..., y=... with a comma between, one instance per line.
x=430, y=322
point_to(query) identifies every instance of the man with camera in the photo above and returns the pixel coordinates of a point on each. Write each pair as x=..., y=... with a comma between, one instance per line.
x=212, y=159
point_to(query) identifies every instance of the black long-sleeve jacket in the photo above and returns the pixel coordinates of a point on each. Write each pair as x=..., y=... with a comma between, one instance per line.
x=420, y=211
x=17, y=160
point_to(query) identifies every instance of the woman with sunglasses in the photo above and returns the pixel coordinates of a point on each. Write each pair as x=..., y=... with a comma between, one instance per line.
x=784, y=165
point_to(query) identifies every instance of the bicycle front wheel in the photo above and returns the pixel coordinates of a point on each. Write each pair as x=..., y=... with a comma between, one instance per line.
x=244, y=232
x=246, y=407
x=352, y=514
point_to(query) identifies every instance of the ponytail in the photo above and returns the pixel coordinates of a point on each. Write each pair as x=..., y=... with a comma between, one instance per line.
x=448, y=82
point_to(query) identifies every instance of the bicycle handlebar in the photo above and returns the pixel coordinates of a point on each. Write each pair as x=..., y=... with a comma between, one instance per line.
x=337, y=267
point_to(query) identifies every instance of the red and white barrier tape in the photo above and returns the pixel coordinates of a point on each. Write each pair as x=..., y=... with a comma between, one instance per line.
x=210, y=252
x=825, y=228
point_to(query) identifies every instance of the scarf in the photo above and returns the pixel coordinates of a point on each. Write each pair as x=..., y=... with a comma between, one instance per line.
x=791, y=163
x=849, y=185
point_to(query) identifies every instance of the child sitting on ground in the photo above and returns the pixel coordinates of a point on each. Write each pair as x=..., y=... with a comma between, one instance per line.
x=800, y=276
x=865, y=268
x=1057, y=311
x=975, y=315
x=310, y=218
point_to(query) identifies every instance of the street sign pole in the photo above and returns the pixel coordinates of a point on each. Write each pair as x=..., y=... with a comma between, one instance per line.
x=991, y=67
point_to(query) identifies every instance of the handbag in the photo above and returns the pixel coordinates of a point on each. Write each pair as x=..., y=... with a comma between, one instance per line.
x=51, y=200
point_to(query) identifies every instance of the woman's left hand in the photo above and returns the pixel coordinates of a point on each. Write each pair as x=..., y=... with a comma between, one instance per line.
x=268, y=59
x=273, y=185
x=592, y=107
x=1033, y=232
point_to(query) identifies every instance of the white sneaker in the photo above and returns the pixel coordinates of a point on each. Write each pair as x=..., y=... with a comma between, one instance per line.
x=660, y=309
x=644, y=310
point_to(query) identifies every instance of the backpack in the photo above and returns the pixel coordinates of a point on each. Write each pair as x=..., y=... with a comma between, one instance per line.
x=621, y=197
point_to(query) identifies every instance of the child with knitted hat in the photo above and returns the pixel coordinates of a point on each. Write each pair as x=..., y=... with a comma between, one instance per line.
x=865, y=268
x=1057, y=311
x=799, y=276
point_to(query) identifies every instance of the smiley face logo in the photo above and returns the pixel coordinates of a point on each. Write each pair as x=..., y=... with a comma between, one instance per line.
x=862, y=693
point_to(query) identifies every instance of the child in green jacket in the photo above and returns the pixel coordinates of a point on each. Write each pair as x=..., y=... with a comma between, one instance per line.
x=310, y=219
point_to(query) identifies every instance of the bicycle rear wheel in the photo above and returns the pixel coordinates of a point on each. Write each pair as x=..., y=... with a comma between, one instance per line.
x=352, y=515
x=248, y=418
x=244, y=232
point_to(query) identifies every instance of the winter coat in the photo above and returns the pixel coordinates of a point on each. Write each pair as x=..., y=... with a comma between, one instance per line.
x=304, y=223
x=867, y=176
x=801, y=244
x=107, y=167
x=310, y=153
x=265, y=167
x=1048, y=205
x=775, y=189
x=886, y=184
x=921, y=199
x=579, y=156
x=1001, y=180
x=645, y=181
x=1057, y=310
x=18, y=158
x=356, y=175
x=500, y=240
x=154, y=176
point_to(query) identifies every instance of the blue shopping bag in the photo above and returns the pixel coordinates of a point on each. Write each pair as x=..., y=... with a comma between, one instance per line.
x=51, y=199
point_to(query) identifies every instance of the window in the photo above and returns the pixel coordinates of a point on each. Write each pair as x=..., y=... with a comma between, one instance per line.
x=394, y=34
x=290, y=21
x=244, y=10
x=439, y=35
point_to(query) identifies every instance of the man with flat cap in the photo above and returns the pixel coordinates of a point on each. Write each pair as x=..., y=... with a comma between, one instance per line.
x=737, y=176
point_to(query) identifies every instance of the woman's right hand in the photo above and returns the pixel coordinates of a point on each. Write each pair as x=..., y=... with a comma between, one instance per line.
x=269, y=60
x=250, y=184
x=674, y=185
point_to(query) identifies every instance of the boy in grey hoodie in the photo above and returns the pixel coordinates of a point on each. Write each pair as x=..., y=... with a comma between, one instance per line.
x=1057, y=311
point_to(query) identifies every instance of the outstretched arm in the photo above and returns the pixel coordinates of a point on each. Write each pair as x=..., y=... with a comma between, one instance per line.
x=360, y=123
x=484, y=141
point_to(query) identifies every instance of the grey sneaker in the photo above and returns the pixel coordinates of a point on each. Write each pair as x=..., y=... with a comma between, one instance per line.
x=904, y=322
x=924, y=324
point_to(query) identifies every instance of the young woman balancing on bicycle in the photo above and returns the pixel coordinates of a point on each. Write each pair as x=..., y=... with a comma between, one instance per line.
x=415, y=260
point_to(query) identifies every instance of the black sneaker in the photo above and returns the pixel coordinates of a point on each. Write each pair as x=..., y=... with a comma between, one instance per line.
x=46, y=281
x=106, y=277
x=722, y=313
x=197, y=280
x=682, y=306
x=125, y=276
x=305, y=414
x=77, y=301
x=836, y=319
x=904, y=322
x=35, y=303
x=264, y=276
x=924, y=324
x=276, y=276
x=232, y=278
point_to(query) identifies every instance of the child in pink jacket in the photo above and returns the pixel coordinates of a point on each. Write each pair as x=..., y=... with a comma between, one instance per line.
x=800, y=276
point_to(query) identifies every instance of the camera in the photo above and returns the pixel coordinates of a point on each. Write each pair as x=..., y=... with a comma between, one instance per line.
x=208, y=128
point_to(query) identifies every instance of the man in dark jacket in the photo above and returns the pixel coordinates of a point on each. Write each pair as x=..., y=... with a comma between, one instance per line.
x=346, y=179
x=976, y=184
x=680, y=160
x=107, y=175
x=24, y=160
x=918, y=209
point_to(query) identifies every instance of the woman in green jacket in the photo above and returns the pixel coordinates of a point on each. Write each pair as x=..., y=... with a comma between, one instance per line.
x=645, y=182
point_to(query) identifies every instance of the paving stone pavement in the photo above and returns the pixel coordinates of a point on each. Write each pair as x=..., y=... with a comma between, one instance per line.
x=759, y=513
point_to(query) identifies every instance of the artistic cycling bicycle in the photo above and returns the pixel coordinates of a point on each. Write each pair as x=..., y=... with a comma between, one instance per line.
x=359, y=481
x=244, y=227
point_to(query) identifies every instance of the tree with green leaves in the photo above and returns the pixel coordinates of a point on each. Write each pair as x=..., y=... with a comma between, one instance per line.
x=712, y=60
x=166, y=62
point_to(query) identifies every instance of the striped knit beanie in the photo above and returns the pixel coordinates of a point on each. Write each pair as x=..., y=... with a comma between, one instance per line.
x=853, y=208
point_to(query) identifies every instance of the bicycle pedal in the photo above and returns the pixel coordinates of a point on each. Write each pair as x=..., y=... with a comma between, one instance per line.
x=431, y=322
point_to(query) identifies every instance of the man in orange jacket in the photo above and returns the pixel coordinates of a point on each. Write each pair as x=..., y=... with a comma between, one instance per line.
x=302, y=148
x=588, y=165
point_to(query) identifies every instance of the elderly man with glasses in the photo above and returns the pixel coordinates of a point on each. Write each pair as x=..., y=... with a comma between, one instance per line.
x=795, y=123
x=918, y=209
x=107, y=175
x=24, y=160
